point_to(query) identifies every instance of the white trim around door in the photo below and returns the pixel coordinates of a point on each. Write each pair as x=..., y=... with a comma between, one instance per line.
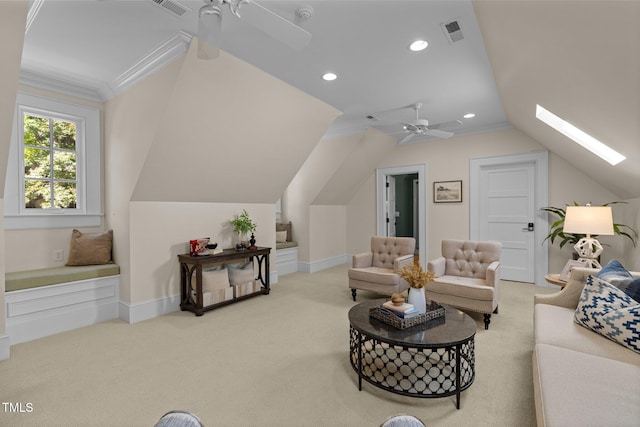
x=540, y=161
x=381, y=226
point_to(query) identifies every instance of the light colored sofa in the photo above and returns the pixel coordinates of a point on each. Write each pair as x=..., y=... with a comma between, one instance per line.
x=377, y=271
x=467, y=276
x=580, y=378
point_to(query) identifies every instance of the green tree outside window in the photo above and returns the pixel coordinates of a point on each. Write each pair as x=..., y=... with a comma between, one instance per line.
x=49, y=163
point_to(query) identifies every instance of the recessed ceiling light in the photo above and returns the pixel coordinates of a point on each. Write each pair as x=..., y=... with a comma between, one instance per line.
x=469, y=116
x=581, y=137
x=329, y=76
x=418, y=45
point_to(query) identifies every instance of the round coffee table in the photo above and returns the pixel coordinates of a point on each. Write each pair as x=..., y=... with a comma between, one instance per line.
x=433, y=359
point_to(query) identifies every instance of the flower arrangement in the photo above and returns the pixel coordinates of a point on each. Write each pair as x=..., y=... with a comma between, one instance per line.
x=416, y=276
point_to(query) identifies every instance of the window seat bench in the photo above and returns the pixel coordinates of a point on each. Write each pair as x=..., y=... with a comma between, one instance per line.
x=48, y=301
x=287, y=251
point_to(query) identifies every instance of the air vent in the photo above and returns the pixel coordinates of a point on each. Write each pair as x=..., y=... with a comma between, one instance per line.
x=452, y=31
x=172, y=6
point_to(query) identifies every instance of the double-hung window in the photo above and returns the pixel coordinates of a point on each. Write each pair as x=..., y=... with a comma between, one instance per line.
x=53, y=175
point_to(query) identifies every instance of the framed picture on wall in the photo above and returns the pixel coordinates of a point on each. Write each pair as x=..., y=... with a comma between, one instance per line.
x=447, y=191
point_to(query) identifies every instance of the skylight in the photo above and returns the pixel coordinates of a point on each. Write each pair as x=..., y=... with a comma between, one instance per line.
x=587, y=141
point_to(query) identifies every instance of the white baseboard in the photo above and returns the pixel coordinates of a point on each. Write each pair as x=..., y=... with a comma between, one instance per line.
x=39, y=312
x=5, y=346
x=273, y=278
x=133, y=313
x=312, y=267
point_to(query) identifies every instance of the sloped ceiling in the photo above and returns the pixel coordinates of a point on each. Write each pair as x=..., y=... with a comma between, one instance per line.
x=231, y=133
x=580, y=60
x=13, y=16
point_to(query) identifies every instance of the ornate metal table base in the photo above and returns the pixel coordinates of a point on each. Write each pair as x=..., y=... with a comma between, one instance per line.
x=413, y=372
x=432, y=359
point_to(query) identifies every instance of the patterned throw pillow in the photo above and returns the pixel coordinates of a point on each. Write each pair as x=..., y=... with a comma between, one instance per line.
x=610, y=312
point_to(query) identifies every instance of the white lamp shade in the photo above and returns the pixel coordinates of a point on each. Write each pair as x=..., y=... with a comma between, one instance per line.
x=588, y=220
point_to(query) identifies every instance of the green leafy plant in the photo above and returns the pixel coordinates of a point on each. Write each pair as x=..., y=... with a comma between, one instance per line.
x=242, y=224
x=555, y=231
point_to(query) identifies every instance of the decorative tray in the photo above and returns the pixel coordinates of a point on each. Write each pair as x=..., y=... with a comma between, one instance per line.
x=434, y=311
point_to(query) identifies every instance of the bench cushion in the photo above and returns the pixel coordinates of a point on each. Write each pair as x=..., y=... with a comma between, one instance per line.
x=51, y=276
x=286, y=245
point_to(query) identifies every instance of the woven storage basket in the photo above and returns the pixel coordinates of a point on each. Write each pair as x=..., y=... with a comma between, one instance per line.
x=434, y=311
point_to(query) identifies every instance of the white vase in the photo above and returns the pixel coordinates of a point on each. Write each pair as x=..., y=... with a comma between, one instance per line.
x=417, y=298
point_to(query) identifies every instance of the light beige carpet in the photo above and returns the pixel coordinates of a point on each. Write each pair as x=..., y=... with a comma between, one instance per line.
x=276, y=360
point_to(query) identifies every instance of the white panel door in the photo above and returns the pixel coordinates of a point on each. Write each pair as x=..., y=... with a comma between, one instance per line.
x=391, y=206
x=507, y=214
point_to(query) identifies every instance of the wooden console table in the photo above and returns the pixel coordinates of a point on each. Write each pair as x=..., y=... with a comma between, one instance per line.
x=193, y=264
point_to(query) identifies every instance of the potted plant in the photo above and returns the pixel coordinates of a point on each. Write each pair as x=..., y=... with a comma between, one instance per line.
x=242, y=225
x=417, y=279
x=555, y=232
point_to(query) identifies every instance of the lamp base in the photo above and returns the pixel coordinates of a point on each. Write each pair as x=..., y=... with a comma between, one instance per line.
x=589, y=249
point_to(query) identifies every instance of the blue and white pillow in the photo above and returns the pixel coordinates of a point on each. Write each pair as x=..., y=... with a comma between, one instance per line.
x=610, y=312
x=614, y=272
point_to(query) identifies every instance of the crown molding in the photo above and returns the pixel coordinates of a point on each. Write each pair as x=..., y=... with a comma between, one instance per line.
x=171, y=49
x=97, y=91
x=65, y=86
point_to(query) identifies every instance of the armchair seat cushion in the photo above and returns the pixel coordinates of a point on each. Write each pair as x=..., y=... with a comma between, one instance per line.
x=379, y=275
x=377, y=270
x=465, y=287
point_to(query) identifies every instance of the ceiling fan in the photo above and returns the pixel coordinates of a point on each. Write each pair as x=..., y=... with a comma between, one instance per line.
x=421, y=127
x=274, y=25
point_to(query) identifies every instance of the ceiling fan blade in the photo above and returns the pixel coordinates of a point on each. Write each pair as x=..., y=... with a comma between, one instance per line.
x=209, y=31
x=406, y=138
x=274, y=25
x=438, y=133
x=454, y=124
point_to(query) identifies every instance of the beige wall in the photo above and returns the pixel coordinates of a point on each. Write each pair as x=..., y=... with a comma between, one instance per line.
x=449, y=160
x=327, y=237
x=160, y=231
x=13, y=16
x=331, y=176
x=219, y=133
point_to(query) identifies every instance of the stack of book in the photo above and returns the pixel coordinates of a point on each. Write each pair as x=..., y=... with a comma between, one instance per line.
x=404, y=311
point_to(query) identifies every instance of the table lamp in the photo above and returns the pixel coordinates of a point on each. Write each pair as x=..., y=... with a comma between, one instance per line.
x=588, y=220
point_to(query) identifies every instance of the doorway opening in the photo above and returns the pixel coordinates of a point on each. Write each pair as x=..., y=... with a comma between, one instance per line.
x=401, y=208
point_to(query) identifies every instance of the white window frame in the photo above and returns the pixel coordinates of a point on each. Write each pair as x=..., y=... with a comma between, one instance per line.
x=88, y=211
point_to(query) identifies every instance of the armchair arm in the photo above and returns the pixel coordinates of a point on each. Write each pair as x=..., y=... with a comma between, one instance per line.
x=361, y=260
x=437, y=266
x=569, y=295
x=401, y=261
x=493, y=274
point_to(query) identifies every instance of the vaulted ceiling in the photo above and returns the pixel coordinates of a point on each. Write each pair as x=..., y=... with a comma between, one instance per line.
x=580, y=60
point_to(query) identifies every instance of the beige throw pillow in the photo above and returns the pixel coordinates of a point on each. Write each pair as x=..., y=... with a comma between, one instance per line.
x=281, y=236
x=213, y=280
x=90, y=248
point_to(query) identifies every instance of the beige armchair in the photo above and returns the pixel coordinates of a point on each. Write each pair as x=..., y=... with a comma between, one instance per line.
x=376, y=271
x=467, y=276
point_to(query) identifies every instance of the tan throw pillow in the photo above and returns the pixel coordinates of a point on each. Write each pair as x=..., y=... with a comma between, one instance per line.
x=90, y=248
x=281, y=236
x=213, y=280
